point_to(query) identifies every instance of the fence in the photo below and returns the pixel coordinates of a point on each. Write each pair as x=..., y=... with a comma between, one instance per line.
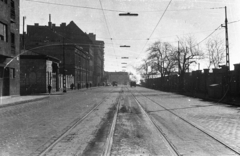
x=216, y=84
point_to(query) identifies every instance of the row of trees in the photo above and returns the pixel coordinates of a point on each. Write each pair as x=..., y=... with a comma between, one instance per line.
x=165, y=59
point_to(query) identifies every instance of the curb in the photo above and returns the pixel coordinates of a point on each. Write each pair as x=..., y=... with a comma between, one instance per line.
x=23, y=101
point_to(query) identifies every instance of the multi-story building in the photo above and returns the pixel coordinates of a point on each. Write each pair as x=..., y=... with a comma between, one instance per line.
x=69, y=39
x=98, y=57
x=9, y=47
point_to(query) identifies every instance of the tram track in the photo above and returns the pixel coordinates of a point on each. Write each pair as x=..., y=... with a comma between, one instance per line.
x=172, y=149
x=68, y=129
x=186, y=121
x=109, y=141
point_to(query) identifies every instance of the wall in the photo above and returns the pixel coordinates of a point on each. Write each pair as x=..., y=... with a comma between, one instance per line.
x=214, y=85
x=33, y=76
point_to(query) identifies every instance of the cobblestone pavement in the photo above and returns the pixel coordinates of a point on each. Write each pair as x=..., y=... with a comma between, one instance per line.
x=220, y=120
x=28, y=127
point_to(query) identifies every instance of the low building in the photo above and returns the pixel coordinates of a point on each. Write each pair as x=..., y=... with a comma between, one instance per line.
x=76, y=62
x=37, y=72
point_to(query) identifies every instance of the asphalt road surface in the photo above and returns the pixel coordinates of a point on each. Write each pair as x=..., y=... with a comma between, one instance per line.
x=120, y=121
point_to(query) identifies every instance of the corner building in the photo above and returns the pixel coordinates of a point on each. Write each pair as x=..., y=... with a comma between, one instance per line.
x=9, y=47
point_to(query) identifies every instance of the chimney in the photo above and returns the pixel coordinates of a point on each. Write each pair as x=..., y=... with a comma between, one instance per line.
x=36, y=24
x=50, y=23
x=63, y=25
x=92, y=36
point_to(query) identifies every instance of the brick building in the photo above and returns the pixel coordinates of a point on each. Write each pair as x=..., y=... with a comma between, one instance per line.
x=76, y=62
x=49, y=40
x=9, y=47
x=98, y=57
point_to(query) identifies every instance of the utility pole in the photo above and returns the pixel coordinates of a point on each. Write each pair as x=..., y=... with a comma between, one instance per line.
x=227, y=42
x=64, y=74
x=227, y=53
x=187, y=60
x=179, y=59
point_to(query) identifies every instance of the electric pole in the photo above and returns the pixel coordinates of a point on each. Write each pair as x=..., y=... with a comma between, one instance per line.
x=179, y=66
x=227, y=42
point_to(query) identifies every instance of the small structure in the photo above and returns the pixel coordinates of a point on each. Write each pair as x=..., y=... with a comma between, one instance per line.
x=37, y=71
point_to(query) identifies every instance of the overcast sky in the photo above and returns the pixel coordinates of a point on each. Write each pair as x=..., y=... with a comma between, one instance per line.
x=183, y=17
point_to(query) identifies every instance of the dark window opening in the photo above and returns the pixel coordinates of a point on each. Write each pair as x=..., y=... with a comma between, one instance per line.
x=3, y=32
x=4, y=1
x=12, y=10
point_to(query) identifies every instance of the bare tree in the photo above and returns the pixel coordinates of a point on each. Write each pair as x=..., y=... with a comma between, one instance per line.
x=161, y=55
x=143, y=69
x=215, y=52
x=187, y=54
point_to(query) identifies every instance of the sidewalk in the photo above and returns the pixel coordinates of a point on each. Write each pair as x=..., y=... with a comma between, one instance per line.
x=14, y=100
x=6, y=101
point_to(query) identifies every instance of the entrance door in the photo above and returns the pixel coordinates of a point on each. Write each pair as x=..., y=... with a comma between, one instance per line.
x=6, y=82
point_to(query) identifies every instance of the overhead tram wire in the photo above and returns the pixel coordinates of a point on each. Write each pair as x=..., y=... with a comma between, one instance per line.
x=155, y=38
x=155, y=28
x=233, y=22
x=112, y=10
x=207, y=36
x=108, y=29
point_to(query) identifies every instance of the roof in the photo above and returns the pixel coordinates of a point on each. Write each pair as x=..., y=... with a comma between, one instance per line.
x=35, y=55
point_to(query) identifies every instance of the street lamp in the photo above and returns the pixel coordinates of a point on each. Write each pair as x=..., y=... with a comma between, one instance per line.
x=64, y=72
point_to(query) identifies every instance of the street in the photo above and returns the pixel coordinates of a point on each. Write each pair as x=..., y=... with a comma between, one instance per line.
x=120, y=120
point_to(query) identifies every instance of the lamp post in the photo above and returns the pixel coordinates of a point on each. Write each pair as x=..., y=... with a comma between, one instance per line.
x=64, y=74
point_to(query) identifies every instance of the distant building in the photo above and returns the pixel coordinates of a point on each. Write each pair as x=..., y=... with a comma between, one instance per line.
x=9, y=47
x=98, y=55
x=55, y=40
x=120, y=77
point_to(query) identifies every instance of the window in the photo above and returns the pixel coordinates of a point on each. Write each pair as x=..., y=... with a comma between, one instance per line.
x=12, y=10
x=4, y=1
x=3, y=32
x=13, y=39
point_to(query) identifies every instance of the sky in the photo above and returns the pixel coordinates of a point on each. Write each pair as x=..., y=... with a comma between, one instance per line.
x=164, y=20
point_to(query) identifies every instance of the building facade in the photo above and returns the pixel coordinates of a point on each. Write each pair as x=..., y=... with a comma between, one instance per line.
x=37, y=72
x=59, y=41
x=9, y=47
x=76, y=63
x=98, y=57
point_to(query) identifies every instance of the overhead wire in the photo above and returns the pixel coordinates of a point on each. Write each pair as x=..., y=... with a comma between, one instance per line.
x=112, y=10
x=233, y=22
x=155, y=28
x=207, y=36
x=147, y=40
x=105, y=19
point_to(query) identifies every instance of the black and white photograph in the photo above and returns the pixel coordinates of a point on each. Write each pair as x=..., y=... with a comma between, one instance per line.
x=119, y=77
